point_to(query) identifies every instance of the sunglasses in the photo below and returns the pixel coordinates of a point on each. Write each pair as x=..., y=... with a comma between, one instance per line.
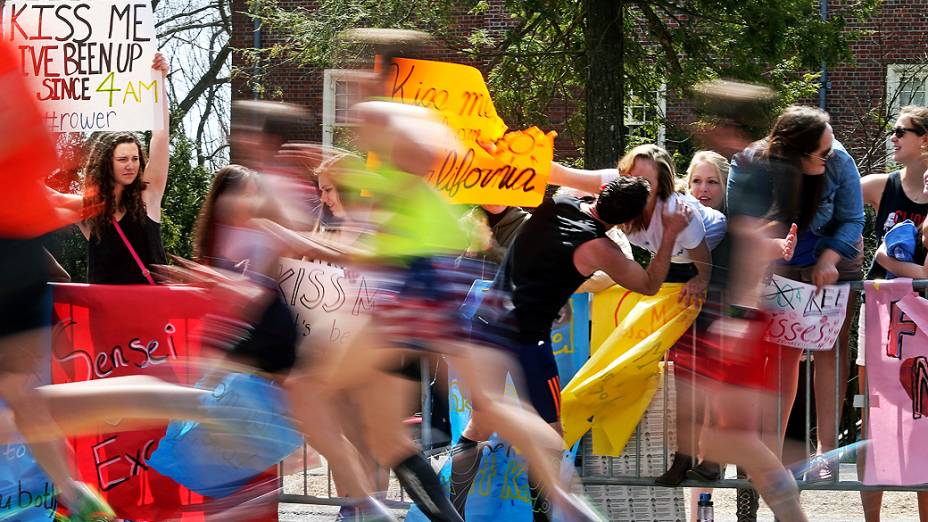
x=830, y=153
x=899, y=132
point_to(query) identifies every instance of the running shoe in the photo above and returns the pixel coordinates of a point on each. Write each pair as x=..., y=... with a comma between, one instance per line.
x=89, y=507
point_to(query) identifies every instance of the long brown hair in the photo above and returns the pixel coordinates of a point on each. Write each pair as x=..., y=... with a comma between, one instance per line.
x=230, y=177
x=99, y=186
x=666, y=175
x=796, y=134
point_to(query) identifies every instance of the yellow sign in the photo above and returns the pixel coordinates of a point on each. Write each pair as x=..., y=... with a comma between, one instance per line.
x=605, y=311
x=612, y=390
x=516, y=173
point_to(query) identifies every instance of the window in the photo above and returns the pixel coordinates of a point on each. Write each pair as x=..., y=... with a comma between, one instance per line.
x=906, y=84
x=644, y=116
x=341, y=90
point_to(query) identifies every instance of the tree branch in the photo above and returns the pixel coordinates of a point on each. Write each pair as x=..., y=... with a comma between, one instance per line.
x=183, y=14
x=190, y=27
x=209, y=78
x=662, y=35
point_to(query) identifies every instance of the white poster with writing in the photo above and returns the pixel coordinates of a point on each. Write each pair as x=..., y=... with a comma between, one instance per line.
x=330, y=302
x=802, y=317
x=88, y=63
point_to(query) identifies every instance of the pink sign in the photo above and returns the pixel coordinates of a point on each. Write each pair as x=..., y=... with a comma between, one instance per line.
x=801, y=316
x=897, y=377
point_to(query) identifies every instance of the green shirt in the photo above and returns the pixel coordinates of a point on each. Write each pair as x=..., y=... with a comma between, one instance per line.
x=412, y=219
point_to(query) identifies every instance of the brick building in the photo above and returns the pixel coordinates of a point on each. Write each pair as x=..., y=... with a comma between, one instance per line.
x=890, y=66
x=328, y=93
x=889, y=69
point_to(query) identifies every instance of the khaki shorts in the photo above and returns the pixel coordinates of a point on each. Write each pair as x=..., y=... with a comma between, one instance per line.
x=848, y=269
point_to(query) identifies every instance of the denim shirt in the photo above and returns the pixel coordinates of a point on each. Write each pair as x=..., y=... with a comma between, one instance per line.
x=839, y=218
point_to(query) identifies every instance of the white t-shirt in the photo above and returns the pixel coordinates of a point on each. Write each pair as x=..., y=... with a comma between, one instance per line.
x=715, y=223
x=705, y=219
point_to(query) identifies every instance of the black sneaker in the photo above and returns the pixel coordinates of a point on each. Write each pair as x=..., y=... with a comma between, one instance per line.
x=677, y=472
x=705, y=471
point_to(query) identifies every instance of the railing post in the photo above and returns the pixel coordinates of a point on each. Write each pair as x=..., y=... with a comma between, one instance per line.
x=426, y=425
x=839, y=399
x=808, y=438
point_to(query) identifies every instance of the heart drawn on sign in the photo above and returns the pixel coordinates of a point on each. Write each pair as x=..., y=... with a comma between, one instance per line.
x=913, y=375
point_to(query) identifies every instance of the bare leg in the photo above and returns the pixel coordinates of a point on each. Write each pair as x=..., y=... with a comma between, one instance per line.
x=382, y=406
x=538, y=441
x=31, y=414
x=115, y=404
x=84, y=407
x=690, y=413
x=313, y=407
x=871, y=501
x=377, y=474
x=826, y=404
x=734, y=439
x=778, y=410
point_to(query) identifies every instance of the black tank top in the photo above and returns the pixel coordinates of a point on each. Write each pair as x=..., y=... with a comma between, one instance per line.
x=109, y=261
x=896, y=207
x=271, y=343
x=538, y=271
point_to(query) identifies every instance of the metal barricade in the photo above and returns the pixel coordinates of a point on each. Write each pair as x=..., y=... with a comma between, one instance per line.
x=629, y=469
x=307, y=485
x=591, y=476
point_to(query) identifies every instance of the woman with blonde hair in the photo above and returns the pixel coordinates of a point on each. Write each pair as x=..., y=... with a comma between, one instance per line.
x=691, y=262
x=706, y=178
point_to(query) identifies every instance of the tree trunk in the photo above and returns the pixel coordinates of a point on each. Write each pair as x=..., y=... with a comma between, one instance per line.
x=605, y=85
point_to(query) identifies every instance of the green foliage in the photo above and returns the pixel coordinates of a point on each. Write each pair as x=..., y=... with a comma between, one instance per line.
x=543, y=57
x=70, y=250
x=306, y=37
x=187, y=188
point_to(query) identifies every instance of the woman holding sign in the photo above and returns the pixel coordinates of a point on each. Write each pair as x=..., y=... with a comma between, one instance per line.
x=814, y=183
x=123, y=192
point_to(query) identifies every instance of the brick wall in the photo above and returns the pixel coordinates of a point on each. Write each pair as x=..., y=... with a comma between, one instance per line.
x=898, y=35
x=305, y=86
x=894, y=35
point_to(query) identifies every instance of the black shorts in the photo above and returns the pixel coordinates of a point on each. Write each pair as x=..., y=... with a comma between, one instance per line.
x=540, y=383
x=25, y=301
x=270, y=345
x=25, y=308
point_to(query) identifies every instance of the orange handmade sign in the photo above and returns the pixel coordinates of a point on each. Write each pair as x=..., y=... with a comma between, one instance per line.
x=516, y=173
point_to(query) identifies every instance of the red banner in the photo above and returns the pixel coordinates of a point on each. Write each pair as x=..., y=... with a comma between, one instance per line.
x=114, y=331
